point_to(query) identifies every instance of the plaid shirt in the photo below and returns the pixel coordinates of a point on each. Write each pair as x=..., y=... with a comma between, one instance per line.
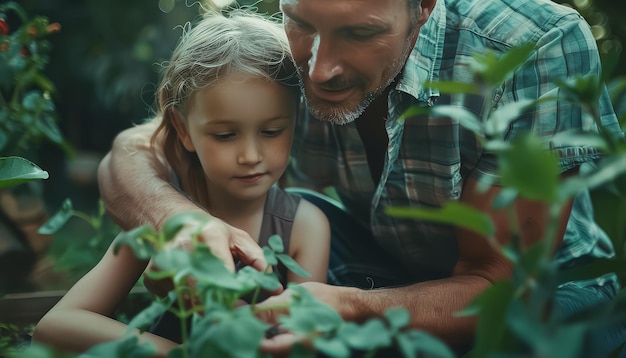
x=428, y=158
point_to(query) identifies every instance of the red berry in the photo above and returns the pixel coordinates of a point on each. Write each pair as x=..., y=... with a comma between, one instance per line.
x=4, y=27
x=53, y=27
x=25, y=52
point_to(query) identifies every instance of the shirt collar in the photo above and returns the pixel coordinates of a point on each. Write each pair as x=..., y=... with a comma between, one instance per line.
x=424, y=61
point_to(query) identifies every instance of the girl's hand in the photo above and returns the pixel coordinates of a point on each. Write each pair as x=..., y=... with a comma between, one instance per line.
x=225, y=241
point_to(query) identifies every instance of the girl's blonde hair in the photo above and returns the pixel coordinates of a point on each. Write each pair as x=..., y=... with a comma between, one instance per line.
x=215, y=47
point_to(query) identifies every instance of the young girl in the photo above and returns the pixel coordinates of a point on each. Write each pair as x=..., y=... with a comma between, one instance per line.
x=227, y=105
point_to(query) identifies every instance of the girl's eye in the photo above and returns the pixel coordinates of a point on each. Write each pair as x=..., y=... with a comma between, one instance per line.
x=223, y=136
x=272, y=133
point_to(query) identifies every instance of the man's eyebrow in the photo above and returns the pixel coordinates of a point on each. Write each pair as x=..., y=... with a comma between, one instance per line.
x=292, y=16
x=369, y=25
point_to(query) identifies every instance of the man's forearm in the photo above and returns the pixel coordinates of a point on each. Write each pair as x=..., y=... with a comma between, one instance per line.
x=432, y=305
x=134, y=182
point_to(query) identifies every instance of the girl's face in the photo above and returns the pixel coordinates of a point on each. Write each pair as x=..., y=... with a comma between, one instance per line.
x=241, y=129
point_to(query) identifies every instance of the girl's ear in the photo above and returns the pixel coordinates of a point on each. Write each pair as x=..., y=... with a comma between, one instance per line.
x=182, y=131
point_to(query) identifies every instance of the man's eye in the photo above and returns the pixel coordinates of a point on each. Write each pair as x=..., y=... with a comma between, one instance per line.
x=272, y=133
x=223, y=136
x=360, y=34
x=301, y=26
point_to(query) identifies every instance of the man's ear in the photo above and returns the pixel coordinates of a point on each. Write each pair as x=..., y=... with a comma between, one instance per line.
x=181, y=130
x=426, y=8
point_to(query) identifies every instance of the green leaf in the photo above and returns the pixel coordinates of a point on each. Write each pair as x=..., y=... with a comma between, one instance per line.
x=270, y=256
x=125, y=347
x=591, y=270
x=276, y=243
x=500, y=119
x=292, y=265
x=534, y=258
x=608, y=169
x=490, y=306
x=452, y=87
x=398, y=317
x=504, y=198
x=176, y=261
x=530, y=168
x=48, y=126
x=610, y=213
x=58, y=220
x=149, y=315
x=331, y=347
x=576, y=139
x=582, y=89
x=412, y=112
x=209, y=269
x=308, y=314
x=18, y=170
x=493, y=70
x=176, y=222
x=371, y=335
x=4, y=139
x=236, y=334
x=267, y=281
x=413, y=343
x=453, y=213
x=465, y=118
x=44, y=83
x=565, y=340
x=138, y=240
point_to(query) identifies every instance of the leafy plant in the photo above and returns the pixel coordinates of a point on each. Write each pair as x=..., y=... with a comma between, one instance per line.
x=221, y=327
x=76, y=254
x=514, y=316
x=27, y=112
x=18, y=170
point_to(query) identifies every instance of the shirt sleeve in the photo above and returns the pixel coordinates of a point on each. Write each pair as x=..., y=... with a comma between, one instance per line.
x=565, y=52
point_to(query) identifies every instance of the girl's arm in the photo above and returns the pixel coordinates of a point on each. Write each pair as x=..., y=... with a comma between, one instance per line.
x=310, y=243
x=81, y=318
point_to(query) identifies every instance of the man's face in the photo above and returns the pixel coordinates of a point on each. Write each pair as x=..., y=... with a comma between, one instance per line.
x=347, y=51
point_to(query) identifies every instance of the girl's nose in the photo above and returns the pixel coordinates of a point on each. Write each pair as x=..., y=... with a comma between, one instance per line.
x=250, y=153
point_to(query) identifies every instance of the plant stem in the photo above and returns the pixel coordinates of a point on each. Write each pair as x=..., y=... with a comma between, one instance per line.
x=258, y=290
x=256, y=309
x=183, y=315
x=83, y=216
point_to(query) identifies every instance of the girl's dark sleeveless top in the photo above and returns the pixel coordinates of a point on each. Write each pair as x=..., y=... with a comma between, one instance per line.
x=278, y=216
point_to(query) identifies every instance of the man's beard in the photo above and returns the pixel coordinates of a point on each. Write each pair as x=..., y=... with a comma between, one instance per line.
x=336, y=113
x=340, y=113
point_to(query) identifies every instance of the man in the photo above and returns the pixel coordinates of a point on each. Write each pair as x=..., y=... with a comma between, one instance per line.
x=363, y=63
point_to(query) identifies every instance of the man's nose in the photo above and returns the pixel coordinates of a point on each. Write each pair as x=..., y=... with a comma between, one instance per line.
x=324, y=63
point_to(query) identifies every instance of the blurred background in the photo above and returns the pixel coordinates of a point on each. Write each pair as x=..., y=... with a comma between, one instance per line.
x=100, y=61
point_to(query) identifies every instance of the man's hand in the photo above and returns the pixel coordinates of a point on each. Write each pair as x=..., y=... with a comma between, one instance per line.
x=274, y=307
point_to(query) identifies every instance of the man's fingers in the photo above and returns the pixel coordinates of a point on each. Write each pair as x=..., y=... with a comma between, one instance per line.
x=223, y=252
x=279, y=344
x=247, y=250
